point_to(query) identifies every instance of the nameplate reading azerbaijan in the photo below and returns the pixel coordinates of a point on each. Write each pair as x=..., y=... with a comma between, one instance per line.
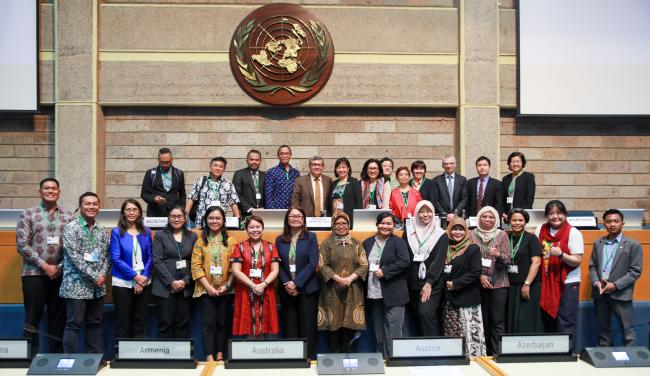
x=535, y=344
x=427, y=347
x=152, y=349
x=13, y=349
x=263, y=350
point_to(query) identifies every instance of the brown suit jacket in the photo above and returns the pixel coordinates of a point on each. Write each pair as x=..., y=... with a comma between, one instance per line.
x=303, y=194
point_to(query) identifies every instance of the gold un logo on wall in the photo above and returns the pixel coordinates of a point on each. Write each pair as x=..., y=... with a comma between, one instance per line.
x=281, y=54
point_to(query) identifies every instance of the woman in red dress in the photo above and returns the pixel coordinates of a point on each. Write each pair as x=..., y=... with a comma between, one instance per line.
x=255, y=265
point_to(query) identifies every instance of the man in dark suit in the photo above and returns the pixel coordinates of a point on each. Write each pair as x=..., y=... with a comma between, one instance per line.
x=483, y=190
x=615, y=265
x=249, y=183
x=163, y=186
x=451, y=191
x=311, y=191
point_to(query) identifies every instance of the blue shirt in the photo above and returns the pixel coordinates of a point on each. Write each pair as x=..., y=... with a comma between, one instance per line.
x=278, y=187
x=609, y=251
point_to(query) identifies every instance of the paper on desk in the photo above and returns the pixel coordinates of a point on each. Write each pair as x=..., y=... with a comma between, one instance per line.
x=435, y=370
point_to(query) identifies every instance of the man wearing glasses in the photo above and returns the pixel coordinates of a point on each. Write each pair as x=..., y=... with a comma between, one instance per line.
x=311, y=191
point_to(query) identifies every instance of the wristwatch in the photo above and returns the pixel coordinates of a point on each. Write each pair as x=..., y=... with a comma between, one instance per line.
x=561, y=256
x=526, y=283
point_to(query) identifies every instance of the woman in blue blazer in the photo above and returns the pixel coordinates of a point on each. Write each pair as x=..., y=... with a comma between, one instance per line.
x=298, y=249
x=130, y=251
x=387, y=291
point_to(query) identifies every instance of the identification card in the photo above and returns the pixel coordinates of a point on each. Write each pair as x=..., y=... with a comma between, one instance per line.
x=513, y=269
x=52, y=240
x=487, y=263
x=216, y=270
x=215, y=203
x=91, y=257
x=339, y=205
x=181, y=264
x=509, y=200
x=372, y=206
x=418, y=258
x=373, y=267
x=139, y=266
x=448, y=268
x=255, y=273
x=292, y=268
x=258, y=196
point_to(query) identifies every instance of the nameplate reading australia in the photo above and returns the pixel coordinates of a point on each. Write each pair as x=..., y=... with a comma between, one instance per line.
x=152, y=349
x=13, y=349
x=535, y=344
x=155, y=222
x=281, y=54
x=427, y=347
x=264, y=350
x=318, y=222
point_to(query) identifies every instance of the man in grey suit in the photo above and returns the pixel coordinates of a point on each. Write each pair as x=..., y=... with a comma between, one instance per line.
x=614, y=267
x=249, y=184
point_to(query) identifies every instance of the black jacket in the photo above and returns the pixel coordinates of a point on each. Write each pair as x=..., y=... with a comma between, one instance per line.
x=466, y=270
x=152, y=186
x=524, y=191
x=435, y=264
x=351, y=197
x=459, y=197
x=428, y=191
x=165, y=256
x=394, y=264
x=245, y=187
x=492, y=195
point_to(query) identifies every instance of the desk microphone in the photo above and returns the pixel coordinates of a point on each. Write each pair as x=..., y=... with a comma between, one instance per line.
x=354, y=339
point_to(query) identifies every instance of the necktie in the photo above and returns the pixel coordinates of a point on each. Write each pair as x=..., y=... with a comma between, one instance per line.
x=450, y=190
x=479, y=199
x=317, y=208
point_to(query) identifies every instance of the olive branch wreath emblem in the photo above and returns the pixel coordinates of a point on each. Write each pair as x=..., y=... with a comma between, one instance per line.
x=309, y=79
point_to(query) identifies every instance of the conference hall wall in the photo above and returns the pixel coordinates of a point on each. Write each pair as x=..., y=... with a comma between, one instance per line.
x=121, y=78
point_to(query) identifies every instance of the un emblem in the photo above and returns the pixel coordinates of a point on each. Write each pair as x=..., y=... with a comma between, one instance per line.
x=281, y=54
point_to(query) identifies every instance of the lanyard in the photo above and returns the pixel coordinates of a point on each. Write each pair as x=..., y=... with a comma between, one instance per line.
x=255, y=254
x=450, y=255
x=166, y=175
x=421, y=243
x=292, y=250
x=216, y=249
x=379, y=248
x=46, y=215
x=256, y=182
x=339, y=190
x=136, y=248
x=405, y=198
x=286, y=173
x=218, y=186
x=178, y=248
x=514, y=248
x=91, y=235
x=610, y=253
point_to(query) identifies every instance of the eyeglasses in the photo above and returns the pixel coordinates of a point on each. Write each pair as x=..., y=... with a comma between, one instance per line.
x=295, y=216
x=131, y=210
x=341, y=224
x=180, y=216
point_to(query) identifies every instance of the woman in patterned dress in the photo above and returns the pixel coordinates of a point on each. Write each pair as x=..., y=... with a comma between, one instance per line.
x=343, y=268
x=255, y=265
x=462, y=315
x=211, y=271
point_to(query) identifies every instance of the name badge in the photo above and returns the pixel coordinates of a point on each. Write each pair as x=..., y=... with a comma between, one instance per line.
x=373, y=267
x=487, y=263
x=292, y=268
x=91, y=257
x=181, y=264
x=258, y=196
x=255, y=273
x=138, y=266
x=215, y=203
x=372, y=206
x=216, y=270
x=514, y=269
x=339, y=205
x=509, y=200
x=418, y=258
x=448, y=268
x=52, y=240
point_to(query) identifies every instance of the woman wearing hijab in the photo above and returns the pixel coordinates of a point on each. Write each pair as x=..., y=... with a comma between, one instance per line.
x=462, y=317
x=343, y=268
x=495, y=258
x=562, y=249
x=427, y=245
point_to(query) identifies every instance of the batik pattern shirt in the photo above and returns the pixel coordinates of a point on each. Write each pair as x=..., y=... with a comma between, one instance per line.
x=35, y=225
x=220, y=193
x=80, y=243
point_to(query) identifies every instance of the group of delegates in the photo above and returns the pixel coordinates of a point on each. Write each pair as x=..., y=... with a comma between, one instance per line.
x=475, y=284
x=318, y=195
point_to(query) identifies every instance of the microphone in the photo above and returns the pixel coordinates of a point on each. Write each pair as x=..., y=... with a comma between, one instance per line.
x=34, y=330
x=354, y=339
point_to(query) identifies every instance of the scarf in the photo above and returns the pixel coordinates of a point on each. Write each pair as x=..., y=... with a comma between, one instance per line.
x=343, y=240
x=457, y=248
x=422, y=238
x=365, y=193
x=554, y=270
x=487, y=235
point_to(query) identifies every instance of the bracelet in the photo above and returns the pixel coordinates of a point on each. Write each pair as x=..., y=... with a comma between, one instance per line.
x=266, y=283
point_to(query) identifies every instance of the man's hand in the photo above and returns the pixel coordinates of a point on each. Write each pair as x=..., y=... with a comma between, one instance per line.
x=52, y=271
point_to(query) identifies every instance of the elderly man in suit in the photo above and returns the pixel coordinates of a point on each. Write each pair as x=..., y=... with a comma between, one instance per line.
x=249, y=183
x=311, y=191
x=614, y=267
x=163, y=187
x=451, y=191
x=483, y=190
